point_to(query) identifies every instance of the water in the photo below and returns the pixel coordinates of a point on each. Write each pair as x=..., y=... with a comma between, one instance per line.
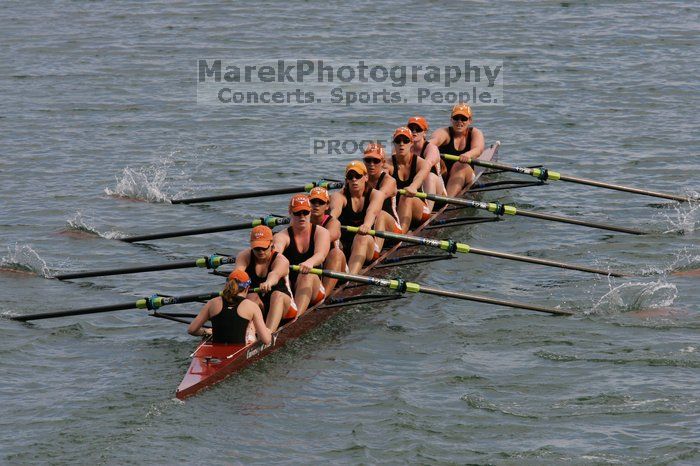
x=100, y=128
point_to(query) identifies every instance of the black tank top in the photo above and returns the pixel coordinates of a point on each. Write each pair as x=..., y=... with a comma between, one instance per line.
x=292, y=252
x=400, y=184
x=327, y=218
x=351, y=218
x=227, y=326
x=449, y=147
x=256, y=280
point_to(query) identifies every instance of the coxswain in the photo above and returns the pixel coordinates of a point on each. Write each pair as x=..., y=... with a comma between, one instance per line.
x=306, y=245
x=421, y=147
x=230, y=314
x=459, y=139
x=358, y=205
x=409, y=171
x=374, y=158
x=320, y=215
x=268, y=270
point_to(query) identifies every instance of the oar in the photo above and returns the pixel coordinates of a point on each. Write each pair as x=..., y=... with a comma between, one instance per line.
x=269, y=192
x=501, y=209
x=452, y=247
x=411, y=287
x=151, y=303
x=271, y=221
x=549, y=175
x=211, y=262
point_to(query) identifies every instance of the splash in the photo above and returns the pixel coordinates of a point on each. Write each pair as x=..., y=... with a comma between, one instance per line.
x=22, y=258
x=632, y=297
x=150, y=183
x=79, y=227
x=682, y=217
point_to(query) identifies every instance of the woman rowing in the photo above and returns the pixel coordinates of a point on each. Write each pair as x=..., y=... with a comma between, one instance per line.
x=306, y=245
x=230, y=314
x=268, y=271
x=421, y=147
x=409, y=171
x=335, y=260
x=379, y=178
x=463, y=140
x=358, y=205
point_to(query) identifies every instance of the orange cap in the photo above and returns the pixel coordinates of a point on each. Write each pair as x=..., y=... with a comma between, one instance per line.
x=241, y=277
x=260, y=237
x=462, y=109
x=357, y=167
x=299, y=202
x=418, y=120
x=403, y=131
x=319, y=193
x=374, y=149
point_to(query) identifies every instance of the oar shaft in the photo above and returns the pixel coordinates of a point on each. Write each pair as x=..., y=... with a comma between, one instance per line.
x=501, y=209
x=126, y=270
x=153, y=302
x=269, y=221
x=267, y=192
x=210, y=262
x=405, y=286
x=548, y=175
x=453, y=246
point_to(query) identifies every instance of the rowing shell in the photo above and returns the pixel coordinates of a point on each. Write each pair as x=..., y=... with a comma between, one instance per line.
x=213, y=362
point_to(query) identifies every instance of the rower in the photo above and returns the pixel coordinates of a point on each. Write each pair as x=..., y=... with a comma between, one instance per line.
x=230, y=314
x=378, y=178
x=306, y=245
x=463, y=140
x=409, y=171
x=433, y=183
x=360, y=206
x=268, y=270
x=320, y=203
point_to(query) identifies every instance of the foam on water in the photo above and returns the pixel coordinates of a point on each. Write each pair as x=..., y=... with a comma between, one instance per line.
x=22, y=258
x=682, y=217
x=158, y=182
x=78, y=224
x=630, y=297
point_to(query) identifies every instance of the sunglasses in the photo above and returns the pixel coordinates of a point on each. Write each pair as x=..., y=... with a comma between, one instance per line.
x=460, y=118
x=415, y=129
x=302, y=213
x=401, y=140
x=371, y=161
x=353, y=176
x=261, y=249
x=317, y=202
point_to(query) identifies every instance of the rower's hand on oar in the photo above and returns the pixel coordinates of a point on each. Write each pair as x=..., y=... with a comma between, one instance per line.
x=464, y=158
x=364, y=229
x=306, y=266
x=410, y=191
x=266, y=286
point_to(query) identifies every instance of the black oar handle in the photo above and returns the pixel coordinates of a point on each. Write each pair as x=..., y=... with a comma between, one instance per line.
x=269, y=192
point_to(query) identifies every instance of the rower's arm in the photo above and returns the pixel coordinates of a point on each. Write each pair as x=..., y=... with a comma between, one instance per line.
x=432, y=155
x=477, y=146
x=243, y=259
x=280, y=241
x=337, y=204
x=376, y=200
x=389, y=186
x=322, y=242
x=249, y=308
x=195, y=327
x=333, y=227
x=440, y=137
x=422, y=172
x=279, y=270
